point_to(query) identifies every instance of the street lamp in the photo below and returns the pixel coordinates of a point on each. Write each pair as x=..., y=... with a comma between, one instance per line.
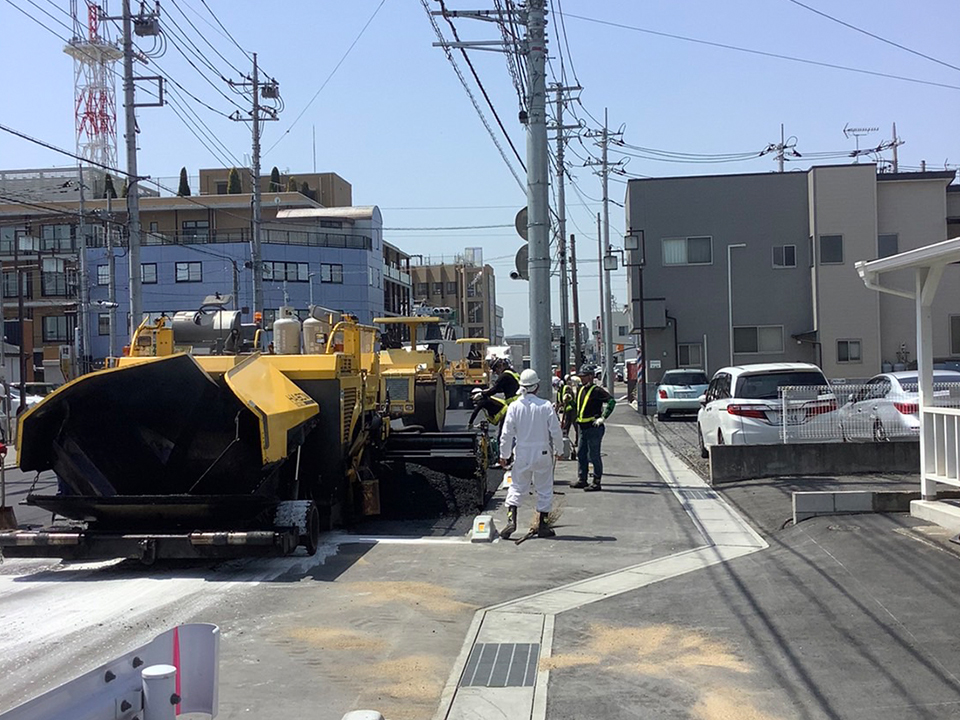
x=634, y=242
x=730, y=292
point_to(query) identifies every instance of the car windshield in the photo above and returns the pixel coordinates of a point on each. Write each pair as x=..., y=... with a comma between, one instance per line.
x=687, y=377
x=765, y=386
x=912, y=384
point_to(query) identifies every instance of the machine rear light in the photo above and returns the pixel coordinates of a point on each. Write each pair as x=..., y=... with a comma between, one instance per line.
x=907, y=408
x=820, y=407
x=663, y=394
x=758, y=412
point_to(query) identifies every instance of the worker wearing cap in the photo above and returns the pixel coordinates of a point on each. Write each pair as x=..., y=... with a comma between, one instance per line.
x=592, y=406
x=532, y=424
x=508, y=382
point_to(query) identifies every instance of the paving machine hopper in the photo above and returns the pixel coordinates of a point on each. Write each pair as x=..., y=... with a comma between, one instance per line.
x=413, y=383
x=176, y=454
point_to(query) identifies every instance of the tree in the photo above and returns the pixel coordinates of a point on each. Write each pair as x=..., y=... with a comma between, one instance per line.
x=292, y=185
x=123, y=189
x=184, y=189
x=233, y=183
x=108, y=191
x=275, y=185
x=304, y=189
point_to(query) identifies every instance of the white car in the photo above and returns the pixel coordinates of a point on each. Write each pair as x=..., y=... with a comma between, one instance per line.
x=679, y=391
x=741, y=405
x=887, y=407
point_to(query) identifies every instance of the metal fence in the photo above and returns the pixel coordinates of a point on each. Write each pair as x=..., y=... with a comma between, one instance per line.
x=866, y=412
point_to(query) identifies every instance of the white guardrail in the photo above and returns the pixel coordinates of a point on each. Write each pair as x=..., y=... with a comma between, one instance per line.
x=870, y=412
x=941, y=445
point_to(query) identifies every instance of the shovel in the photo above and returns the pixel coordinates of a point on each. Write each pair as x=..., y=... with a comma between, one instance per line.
x=8, y=519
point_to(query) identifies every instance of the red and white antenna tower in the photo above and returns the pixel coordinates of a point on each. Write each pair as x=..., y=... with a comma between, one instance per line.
x=94, y=55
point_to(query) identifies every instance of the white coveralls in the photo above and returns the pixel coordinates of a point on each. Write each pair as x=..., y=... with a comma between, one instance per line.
x=533, y=424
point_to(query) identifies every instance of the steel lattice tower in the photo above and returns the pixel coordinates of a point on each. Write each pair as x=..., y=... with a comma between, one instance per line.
x=95, y=104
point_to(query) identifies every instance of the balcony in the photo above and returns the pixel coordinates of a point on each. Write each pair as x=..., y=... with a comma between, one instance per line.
x=268, y=236
x=391, y=273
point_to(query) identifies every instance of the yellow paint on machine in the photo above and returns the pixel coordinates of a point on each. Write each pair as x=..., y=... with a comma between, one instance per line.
x=279, y=404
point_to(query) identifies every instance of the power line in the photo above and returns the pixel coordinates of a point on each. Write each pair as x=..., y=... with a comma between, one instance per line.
x=763, y=53
x=874, y=36
x=329, y=77
x=214, y=16
x=204, y=37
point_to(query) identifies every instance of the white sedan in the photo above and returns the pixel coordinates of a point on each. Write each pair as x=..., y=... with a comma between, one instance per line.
x=679, y=391
x=887, y=407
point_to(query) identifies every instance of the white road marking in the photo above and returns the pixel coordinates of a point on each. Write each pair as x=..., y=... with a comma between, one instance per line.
x=726, y=536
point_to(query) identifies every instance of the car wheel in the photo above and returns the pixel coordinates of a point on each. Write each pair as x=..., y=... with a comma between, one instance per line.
x=703, y=448
x=879, y=434
x=661, y=416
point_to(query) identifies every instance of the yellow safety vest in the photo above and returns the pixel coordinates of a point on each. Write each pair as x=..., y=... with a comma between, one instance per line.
x=497, y=417
x=514, y=397
x=583, y=398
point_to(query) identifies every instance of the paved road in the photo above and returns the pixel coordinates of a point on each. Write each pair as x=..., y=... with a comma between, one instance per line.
x=835, y=619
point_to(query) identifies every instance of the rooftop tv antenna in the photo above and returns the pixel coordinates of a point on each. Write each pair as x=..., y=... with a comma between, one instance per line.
x=857, y=133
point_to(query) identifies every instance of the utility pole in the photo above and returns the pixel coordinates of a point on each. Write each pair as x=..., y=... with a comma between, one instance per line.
x=83, y=338
x=577, y=340
x=257, y=114
x=111, y=278
x=896, y=143
x=608, y=298
x=601, y=345
x=562, y=225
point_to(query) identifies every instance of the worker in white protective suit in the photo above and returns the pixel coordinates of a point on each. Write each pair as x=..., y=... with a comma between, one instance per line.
x=532, y=424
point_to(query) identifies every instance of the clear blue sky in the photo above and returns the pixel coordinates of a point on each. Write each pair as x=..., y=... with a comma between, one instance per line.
x=395, y=121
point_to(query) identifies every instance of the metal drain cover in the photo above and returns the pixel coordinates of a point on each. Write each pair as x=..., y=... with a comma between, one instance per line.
x=501, y=665
x=697, y=494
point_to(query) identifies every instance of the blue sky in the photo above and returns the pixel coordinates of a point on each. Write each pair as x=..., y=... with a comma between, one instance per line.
x=395, y=122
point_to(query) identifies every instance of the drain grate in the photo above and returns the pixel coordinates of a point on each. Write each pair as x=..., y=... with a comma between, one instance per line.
x=698, y=494
x=501, y=665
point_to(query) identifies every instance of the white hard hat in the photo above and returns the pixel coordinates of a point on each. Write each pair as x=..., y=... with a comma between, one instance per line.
x=476, y=392
x=529, y=378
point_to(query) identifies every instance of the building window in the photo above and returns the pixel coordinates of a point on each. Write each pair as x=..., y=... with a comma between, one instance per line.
x=475, y=332
x=331, y=273
x=10, y=284
x=848, y=351
x=221, y=188
x=53, y=284
x=189, y=272
x=954, y=334
x=888, y=244
x=199, y=229
x=6, y=240
x=103, y=274
x=438, y=288
x=452, y=288
x=831, y=249
x=103, y=324
x=56, y=328
x=785, y=256
x=338, y=224
x=269, y=317
x=475, y=312
x=758, y=340
x=148, y=273
x=688, y=251
x=56, y=237
x=622, y=331
x=689, y=355
x=423, y=290
x=289, y=271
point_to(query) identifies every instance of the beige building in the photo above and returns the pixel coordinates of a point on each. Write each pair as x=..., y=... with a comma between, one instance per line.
x=466, y=286
x=328, y=189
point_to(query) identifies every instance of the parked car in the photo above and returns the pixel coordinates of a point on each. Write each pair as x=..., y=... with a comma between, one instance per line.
x=740, y=406
x=887, y=407
x=619, y=372
x=679, y=391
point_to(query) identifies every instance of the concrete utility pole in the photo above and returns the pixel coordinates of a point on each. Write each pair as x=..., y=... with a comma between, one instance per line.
x=608, y=298
x=83, y=338
x=562, y=226
x=538, y=191
x=601, y=345
x=111, y=279
x=258, y=114
x=577, y=340
x=133, y=194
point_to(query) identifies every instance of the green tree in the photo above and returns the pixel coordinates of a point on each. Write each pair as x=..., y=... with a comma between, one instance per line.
x=233, y=183
x=304, y=189
x=292, y=185
x=275, y=185
x=184, y=189
x=108, y=191
x=123, y=189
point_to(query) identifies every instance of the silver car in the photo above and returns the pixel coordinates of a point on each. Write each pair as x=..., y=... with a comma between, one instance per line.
x=679, y=391
x=887, y=407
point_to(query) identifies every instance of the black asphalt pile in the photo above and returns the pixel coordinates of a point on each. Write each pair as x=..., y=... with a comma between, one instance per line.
x=413, y=491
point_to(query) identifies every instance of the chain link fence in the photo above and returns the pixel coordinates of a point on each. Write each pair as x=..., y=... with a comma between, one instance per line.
x=877, y=411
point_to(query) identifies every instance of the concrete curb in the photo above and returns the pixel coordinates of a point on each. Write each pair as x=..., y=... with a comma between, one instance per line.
x=816, y=503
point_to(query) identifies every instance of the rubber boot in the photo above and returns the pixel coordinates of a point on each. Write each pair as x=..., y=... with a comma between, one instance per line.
x=579, y=483
x=543, y=527
x=594, y=486
x=511, y=527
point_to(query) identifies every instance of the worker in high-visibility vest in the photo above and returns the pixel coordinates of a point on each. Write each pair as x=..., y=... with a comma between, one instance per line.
x=494, y=407
x=593, y=406
x=567, y=409
x=507, y=383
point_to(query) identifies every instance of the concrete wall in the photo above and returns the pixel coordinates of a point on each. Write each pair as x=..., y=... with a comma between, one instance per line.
x=843, y=200
x=761, y=210
x=729, y=463
x=917, y=212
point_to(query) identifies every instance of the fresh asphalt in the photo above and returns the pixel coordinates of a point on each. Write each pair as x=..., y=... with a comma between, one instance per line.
x=848, y=617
